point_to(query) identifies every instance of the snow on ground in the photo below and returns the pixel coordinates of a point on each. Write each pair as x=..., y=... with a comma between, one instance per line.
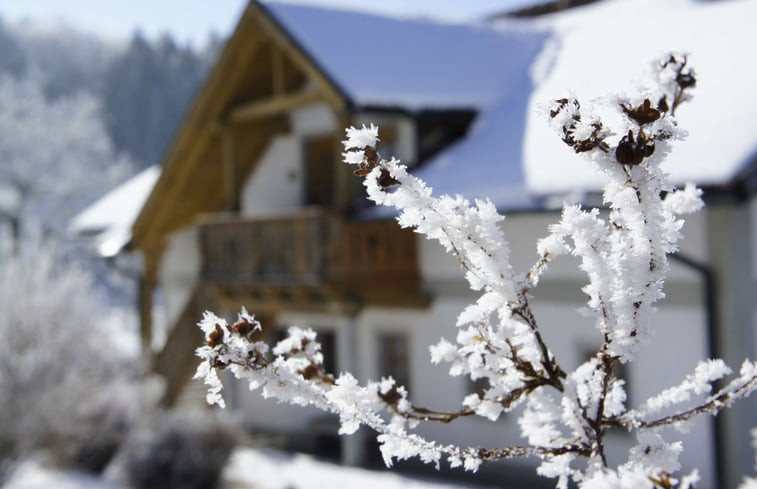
x=32, y=475
x=272, y=469
x=249, y=468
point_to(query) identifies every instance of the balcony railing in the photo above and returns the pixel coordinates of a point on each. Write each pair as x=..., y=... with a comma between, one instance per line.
x=308, y=249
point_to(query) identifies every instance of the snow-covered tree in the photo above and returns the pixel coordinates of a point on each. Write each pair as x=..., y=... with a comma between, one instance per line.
x=63, y=384
x=66, y=385
x=55, y=157
x=64, y=60
x=565, y=415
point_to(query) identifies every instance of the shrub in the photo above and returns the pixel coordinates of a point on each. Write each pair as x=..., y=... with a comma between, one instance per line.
x=179, y=452
x=65, y=387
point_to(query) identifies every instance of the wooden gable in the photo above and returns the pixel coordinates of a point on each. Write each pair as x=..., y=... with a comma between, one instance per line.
x=260, y=76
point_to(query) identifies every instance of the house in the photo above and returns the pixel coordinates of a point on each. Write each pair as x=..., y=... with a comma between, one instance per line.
x=254, y=209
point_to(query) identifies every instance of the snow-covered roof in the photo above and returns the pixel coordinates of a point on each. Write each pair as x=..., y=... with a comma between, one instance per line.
x=109, y=219
x=407, y=63
x=506, y=70
x=595, y=50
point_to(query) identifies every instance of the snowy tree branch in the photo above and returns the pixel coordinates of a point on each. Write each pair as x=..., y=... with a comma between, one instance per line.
x=565, y=415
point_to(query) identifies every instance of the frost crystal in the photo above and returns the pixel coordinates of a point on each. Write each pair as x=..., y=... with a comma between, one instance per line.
x=686, y=201
x=361, y=138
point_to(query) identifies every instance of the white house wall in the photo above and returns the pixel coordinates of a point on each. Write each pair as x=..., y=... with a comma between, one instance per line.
x=524, y=229
x=432, y=387
x=276, y=184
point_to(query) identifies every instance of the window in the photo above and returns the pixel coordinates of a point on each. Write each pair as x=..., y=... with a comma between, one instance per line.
x=320, y=171
x=394, y=357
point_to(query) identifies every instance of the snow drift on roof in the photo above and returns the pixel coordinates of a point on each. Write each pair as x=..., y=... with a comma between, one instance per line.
x=487, y=163
x=111, y=217
x=595, y=50
x=513, y=155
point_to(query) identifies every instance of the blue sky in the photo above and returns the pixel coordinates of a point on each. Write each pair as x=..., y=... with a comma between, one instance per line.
x=192, y=20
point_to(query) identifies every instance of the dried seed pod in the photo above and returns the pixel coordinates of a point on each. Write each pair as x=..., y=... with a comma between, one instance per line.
x=595, y=140
x=386, y=180
x=632, y=151
x=243, y=328
x=309, y=372
x=391, y=397
x=561, y=104
x=686, y=80
x=642, y=114
x=662, y=104
x=216, y=336
x=370, y=162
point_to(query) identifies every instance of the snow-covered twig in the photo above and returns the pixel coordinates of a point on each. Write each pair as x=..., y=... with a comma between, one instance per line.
x=566, y=415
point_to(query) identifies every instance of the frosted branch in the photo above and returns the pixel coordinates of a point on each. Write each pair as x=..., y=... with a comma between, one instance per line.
x=566, y=415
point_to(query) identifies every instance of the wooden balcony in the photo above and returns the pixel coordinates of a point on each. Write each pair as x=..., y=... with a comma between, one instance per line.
x=313, y=250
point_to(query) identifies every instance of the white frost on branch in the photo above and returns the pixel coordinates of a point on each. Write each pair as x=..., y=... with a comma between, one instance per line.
x=565, y=415
x=55, y=156
x=686, y=201
x=361, y=138
x=700, y=382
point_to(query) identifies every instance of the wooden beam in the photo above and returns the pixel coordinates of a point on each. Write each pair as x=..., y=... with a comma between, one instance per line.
x=330, y=92
x=231, y=197
x=277, y=70
x=257, y=110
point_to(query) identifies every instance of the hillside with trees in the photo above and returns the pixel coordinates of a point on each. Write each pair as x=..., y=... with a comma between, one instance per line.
x=143, y=86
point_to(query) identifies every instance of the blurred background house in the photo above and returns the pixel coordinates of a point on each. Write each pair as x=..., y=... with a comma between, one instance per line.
x=254, y=208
